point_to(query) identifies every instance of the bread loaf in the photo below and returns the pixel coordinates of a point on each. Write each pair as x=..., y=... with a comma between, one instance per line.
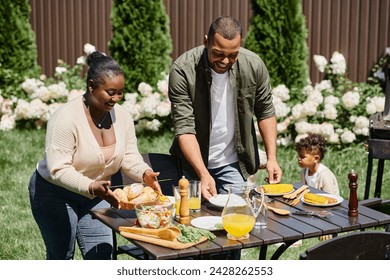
x=133, y=190
x=121, y=194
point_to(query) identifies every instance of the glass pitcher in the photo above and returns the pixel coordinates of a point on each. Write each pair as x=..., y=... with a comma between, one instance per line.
x=238, y=216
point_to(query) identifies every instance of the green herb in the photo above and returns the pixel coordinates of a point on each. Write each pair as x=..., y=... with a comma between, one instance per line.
x=191, y=234
x=218, y=226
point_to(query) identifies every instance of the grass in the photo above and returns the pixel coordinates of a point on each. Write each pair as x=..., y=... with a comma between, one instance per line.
x=20, y=238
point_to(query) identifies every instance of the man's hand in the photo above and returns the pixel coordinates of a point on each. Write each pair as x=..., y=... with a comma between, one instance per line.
x=274, y=172
x=207, y=185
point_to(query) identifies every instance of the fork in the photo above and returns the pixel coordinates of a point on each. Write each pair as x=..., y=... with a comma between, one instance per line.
x=298, y=198
x=320, y=214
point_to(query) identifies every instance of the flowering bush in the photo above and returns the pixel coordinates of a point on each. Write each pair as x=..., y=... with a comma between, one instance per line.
x=336, y=107
x=41, y=97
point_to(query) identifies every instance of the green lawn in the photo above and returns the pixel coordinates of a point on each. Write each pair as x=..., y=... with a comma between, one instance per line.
x=20, y=237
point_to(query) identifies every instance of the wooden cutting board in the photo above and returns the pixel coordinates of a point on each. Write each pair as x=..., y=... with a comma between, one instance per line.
x=175, y=244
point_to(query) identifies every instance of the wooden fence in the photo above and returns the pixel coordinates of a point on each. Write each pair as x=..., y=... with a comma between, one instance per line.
x=359, y=29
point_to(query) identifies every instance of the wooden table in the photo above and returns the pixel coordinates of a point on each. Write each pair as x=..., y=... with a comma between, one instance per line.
x=284, y=229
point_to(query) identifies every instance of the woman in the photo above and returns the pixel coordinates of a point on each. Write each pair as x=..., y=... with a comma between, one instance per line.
x=87, y=141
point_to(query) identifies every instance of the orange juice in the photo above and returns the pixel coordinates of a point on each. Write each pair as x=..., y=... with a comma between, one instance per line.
x=238, y=225
x=178, y=207
x=194, y=203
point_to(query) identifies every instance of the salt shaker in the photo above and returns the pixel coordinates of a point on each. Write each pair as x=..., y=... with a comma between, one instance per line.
x=353, y=201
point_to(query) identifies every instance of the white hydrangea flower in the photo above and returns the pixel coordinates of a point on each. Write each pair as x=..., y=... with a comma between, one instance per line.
x=302, y=127
x=163, y=87
x=282, y=92
x=131, y=98
x=60, y=70
x=315, y=97
x=310, y=107
x=375, y=104
x=133, y=108
x=284, y=141
x=298, y=112
x=7, y=122
x=339, y=64
x=31, y=85
x=350, y=99
x=307, y=89
x=88, y=48
x=331, y=100
x=324, y=85
x=320, y=62
x=330, y=112
x=362, y=122
x=163, y=109
x=347, y=137
x=281, y=108
x=6, y=106
x=326, y=129
x=145, y=89
x=334, y=138
x=22, y=109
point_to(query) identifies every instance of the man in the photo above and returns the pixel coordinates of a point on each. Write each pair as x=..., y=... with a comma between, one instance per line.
x=215, y=90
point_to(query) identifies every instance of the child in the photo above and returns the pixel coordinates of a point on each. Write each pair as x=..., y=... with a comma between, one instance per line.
x=311, y=150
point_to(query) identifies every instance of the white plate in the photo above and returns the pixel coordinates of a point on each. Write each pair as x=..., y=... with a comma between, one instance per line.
x=209, y=222
x=339, y=200
x=219, y=200
x=171, y=199
x=274, y=194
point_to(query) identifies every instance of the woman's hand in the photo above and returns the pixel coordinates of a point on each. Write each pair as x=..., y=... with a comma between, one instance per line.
x=102, y=190
x=150, y=179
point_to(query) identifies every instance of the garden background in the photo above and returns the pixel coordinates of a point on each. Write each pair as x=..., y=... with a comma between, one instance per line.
x=335, y=106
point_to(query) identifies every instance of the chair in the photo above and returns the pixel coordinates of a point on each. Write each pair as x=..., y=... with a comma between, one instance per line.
x=365, y=245
x=170, y=174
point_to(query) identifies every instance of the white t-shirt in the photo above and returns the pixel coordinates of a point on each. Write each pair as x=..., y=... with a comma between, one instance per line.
x=222, y=148
x=311, y=180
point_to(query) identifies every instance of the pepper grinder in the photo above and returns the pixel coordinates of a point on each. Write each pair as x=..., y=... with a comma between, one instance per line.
x=184, y=203
x=353, y=201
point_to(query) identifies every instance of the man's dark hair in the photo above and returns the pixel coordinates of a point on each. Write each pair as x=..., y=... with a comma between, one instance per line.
x=226, y=26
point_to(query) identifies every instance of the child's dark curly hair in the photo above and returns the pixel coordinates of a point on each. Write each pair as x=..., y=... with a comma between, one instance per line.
x=312, y=143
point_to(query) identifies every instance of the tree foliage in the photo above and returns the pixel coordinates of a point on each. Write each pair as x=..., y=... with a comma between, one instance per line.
x=277, y=33
x=141, y=40
x=18, y=52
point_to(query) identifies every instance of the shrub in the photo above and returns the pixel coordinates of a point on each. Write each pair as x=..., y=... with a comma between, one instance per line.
x=336, y=108
x=141, y=41
x=277, y=33
x=18, y=52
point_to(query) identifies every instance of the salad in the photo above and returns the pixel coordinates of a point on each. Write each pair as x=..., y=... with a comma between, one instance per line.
x=155, y=216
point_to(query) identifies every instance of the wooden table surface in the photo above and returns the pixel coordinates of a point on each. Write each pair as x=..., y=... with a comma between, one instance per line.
x=286, y=229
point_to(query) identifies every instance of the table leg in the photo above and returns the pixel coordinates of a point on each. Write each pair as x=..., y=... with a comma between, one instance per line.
x=368, y=177
x=378, y=185
x=263, y=252
x=281, y=249
x=114, y=248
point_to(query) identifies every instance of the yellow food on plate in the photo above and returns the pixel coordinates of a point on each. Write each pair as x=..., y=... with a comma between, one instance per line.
x=121, y=195
x=278, y=188
x=318, y=199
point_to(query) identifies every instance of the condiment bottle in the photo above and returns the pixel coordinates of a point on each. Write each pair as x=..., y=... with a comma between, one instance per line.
x=184, y=203
x=353, y=201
